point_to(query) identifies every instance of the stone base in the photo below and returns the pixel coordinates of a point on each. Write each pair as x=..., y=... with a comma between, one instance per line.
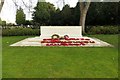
x=36, y=41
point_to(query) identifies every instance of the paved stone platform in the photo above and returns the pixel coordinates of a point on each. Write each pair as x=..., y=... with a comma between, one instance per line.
x=71, y=31
x=36, y=41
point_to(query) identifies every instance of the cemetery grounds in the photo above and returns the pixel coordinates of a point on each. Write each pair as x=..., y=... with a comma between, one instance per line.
x=60, y=62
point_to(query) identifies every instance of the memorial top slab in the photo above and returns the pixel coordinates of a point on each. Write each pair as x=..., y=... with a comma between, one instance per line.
x=71, y=31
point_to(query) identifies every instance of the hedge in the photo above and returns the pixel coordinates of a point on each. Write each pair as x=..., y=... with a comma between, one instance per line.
x=36, y=32
x=103, y=30
x=20, y=32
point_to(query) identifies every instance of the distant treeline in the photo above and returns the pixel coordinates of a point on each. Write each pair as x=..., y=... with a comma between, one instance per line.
x=100, y=13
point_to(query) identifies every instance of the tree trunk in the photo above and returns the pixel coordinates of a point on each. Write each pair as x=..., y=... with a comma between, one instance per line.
x=82, y=21
x=83, y=13
x=1, y=4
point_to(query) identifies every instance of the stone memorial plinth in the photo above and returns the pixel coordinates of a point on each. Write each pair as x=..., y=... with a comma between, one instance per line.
x=72, y=31
x=75, y=38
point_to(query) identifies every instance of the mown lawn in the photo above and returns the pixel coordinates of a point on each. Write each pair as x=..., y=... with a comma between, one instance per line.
x=60, y=62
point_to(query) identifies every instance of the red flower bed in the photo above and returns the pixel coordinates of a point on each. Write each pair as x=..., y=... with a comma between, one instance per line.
x=67, y=42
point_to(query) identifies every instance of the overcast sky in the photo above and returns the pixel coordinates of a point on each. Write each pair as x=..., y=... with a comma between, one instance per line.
x=9, y=9
x=8, y=12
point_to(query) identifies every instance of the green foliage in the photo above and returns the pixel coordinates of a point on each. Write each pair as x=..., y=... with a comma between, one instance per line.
x=76, y=14
x=103, y=30
x=28, y=22
x=20, y=17
x=56, y=18
x=10, y=24
x=43, y=12
x=105, y=13
x=66, y=14
x=3, y=23
x=20, y=32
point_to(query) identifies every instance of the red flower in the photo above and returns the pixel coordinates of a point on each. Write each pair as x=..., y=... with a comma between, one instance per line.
x=64, y=44
x=86, y=42
x=82, y=43
x=92, y=41
x=77, y=39
x=87, y=39
x=42, y=41
x=68, y=41
x=82, y=39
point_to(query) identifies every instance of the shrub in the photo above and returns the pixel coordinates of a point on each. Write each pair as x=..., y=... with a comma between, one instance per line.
x=103, y=30
x=20, y=32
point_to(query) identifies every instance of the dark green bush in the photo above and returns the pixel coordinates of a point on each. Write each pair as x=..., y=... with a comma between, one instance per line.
x=21, y=32
x=103, y=30
x=36, y=32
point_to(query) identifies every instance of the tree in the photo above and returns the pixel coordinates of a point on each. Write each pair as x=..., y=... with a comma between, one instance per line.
x=20, y=17
x=84, y=6
x=56, y=18
x=102, y=13
x=66, y=15
x=76, y=14
x=43, y=13
x=28, y=22
x=3, y=23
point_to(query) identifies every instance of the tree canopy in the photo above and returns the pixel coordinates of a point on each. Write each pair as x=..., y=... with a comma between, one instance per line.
x=43, y=13
x=20, y=17
x=99, y=13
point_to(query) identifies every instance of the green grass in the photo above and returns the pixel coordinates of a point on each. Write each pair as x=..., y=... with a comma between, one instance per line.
x=60, y=62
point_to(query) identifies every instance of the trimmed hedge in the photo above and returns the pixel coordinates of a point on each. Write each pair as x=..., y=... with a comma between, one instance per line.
x=21, y=32
x=36, y=32
x=103, y=30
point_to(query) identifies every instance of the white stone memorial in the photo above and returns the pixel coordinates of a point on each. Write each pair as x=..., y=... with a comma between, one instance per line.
x=74, y=33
